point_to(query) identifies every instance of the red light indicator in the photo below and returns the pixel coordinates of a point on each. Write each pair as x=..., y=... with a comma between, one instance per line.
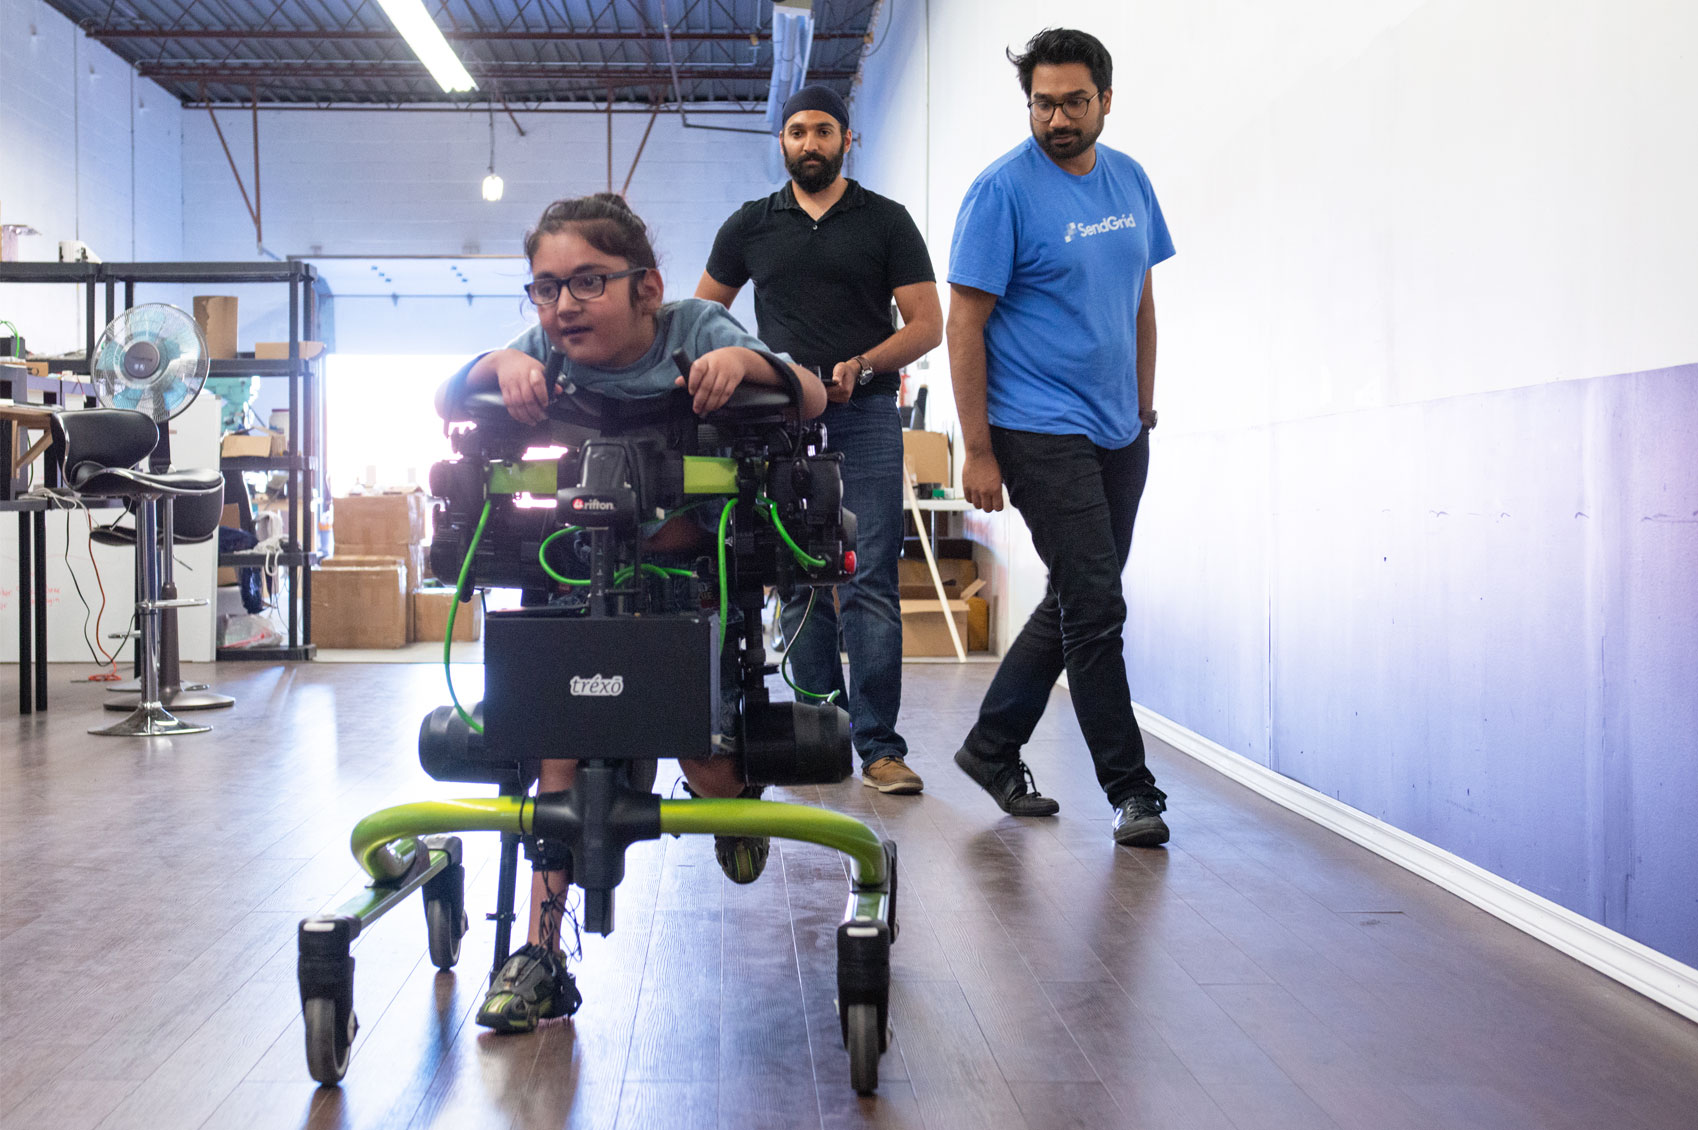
x=849, y=562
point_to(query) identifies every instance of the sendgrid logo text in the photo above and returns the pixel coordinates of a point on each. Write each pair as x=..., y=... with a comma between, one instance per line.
x=598, y=686
x=1107, y=223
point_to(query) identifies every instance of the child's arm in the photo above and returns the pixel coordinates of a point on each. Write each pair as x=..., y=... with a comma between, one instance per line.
x=717, y=373
x=518, y=376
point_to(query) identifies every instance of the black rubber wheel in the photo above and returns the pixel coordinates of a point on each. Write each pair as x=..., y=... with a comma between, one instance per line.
x=443, y=933
x=863, y=1039
x=328, y=1043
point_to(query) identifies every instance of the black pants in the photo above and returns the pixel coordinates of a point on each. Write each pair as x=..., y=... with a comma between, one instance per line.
x=1080, y=502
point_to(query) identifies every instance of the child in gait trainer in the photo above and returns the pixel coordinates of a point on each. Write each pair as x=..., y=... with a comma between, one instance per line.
x=600, y=303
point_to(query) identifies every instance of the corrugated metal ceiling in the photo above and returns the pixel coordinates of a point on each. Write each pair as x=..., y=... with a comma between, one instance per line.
x=520, y=52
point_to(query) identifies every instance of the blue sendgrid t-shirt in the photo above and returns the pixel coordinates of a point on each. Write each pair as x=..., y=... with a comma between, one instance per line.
x=1065, y=255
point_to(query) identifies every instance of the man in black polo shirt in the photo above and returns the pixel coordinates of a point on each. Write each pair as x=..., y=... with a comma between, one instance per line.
x=827, y=257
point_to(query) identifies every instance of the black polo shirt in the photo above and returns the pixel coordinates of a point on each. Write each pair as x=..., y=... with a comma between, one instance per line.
x=823, y=288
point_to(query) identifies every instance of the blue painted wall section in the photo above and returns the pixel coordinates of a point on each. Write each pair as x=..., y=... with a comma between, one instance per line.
x=1474, y=618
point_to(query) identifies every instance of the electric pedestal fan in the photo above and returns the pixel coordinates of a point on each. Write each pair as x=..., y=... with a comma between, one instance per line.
x=153, y=359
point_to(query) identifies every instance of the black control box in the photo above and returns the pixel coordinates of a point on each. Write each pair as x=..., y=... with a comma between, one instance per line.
x=561, y=685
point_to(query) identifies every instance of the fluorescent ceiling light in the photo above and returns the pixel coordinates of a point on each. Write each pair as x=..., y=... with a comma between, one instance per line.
x=425, y=38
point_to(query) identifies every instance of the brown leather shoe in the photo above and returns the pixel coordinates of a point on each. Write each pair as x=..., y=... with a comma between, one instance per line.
x=891, y=775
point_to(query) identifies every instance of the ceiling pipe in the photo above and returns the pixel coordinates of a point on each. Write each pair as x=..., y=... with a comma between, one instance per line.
x=376, y=36
x=677, y=92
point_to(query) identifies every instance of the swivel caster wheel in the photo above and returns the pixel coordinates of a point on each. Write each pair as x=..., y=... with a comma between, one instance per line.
x=445, y=925
x=329, y=1042
x=326, y=975
x=445, y=906
x=865, y=1043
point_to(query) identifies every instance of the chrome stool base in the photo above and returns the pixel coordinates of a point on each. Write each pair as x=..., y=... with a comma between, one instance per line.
x=150, y=721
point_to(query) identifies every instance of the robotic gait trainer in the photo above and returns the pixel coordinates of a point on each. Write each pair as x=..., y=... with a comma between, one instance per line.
x=616, y=658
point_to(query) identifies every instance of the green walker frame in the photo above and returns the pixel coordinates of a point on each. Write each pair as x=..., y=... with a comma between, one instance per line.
x=410, y=847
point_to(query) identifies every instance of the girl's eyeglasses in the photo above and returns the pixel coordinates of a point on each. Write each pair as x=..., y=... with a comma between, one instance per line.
x=546, y=292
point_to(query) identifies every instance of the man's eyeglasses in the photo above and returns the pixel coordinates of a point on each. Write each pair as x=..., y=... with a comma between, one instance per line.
x=546, y=292
x=1043, y=109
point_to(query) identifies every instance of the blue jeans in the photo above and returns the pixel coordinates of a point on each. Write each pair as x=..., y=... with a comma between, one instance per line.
x=866, y=430
x=1080, y=502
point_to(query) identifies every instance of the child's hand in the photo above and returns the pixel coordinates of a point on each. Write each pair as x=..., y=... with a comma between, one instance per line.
x=714, y=377
x=523, y=388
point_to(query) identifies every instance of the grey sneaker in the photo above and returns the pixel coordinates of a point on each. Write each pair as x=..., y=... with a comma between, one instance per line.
x=533, y=985
x=1138, y=822
x=1010, y=785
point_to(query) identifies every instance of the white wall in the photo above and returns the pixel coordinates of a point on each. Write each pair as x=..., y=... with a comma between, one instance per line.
x=1415, y=532
x=87, y=151
x=1374, y=203
x=390, y=184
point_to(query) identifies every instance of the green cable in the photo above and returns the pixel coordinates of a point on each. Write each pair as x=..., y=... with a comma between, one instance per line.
x=724, y=589
x=542, y=556
x=624, y=574
x=778, y=524
x=453, y=609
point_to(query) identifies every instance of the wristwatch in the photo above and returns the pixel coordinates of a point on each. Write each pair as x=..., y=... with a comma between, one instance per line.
x=866, y=369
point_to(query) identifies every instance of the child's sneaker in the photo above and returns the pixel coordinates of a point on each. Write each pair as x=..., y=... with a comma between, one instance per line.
x=534, y=985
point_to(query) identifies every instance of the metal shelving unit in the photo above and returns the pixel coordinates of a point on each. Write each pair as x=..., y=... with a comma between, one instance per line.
x=303, y=464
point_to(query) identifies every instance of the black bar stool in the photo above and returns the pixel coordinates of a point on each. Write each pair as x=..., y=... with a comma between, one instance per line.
x=96, y=451
x=188, y=520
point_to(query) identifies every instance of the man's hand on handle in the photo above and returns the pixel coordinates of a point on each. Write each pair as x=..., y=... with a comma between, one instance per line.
x=844, y=376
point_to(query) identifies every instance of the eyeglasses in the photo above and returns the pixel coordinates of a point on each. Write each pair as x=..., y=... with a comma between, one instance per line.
x=546, y=292
x=1043, y=109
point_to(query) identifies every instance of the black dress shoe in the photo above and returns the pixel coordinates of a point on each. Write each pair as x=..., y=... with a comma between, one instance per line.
x=1138, y=822
x=1010, y=785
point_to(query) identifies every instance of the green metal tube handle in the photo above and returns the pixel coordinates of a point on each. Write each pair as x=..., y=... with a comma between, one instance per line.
x=385, y=842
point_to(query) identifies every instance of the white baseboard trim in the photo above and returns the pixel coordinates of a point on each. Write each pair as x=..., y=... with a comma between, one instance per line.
x=1670, y=983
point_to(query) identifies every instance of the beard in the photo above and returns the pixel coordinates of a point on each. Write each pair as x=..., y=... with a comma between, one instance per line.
x=813, y=172
x=1074, y=137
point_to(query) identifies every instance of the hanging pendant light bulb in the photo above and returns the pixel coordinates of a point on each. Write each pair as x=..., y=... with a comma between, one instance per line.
x=492, y=184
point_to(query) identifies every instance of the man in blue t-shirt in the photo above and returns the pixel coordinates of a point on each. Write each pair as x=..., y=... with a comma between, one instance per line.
x=1052, y=352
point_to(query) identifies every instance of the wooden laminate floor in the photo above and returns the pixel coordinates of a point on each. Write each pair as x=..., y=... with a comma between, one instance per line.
x=1257, y=974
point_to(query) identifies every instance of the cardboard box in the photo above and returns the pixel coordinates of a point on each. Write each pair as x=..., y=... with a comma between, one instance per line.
x=430, y=616
x=279, y=350
x=380, y=519
x=251, y=445
x=927, y=456
x=216, y=316
x=915, y=580
x=360, y=605
x=925, y=634
x=978, y=624
x=411, y=558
